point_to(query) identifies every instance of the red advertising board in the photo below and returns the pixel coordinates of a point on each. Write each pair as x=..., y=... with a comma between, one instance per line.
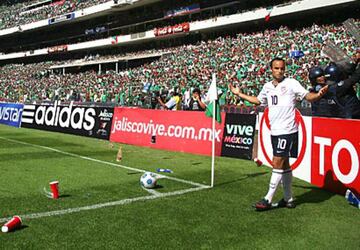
x=183, y=131
x=59, y=48
x=329, y=152
x=336, y=152
x=168, y=30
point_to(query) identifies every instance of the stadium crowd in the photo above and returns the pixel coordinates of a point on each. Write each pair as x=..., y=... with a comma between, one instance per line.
x=17, y=14
x=241, y=60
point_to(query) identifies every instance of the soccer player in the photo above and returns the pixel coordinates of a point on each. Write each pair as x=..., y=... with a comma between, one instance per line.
x=280, y=96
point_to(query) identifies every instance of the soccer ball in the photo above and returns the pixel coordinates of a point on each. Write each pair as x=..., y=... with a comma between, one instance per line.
x=148, y=180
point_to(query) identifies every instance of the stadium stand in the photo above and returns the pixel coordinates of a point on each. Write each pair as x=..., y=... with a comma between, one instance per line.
x=24, y=12
x=237, y=57
x=32, y=11
x=126, y=22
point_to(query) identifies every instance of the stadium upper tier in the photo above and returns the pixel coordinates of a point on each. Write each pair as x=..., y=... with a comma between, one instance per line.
x=32, y=11
x=29, y=44
x=242, y=59
x=109, y=19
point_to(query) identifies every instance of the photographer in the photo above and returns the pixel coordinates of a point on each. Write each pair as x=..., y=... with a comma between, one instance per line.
x=195, y=103
x=174, y=103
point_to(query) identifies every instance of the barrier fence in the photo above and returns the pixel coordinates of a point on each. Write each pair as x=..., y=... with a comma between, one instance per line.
x=85, y=121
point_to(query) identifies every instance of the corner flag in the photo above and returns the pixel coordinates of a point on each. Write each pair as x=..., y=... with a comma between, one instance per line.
x=212, y=97
x=213, y=110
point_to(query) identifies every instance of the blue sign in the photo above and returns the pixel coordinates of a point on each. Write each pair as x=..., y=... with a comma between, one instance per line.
x=62, y=18
x=10, y=114
x=296, y=54
x=147, y=87
x=183, y=10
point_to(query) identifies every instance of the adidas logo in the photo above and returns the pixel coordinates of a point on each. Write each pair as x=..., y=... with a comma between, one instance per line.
x=60, y=116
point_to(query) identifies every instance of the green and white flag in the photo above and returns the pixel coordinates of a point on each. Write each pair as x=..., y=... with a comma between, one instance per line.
x=212, y=97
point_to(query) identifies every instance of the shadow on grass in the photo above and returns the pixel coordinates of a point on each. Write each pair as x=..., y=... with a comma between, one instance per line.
x=64, y=196
x=158, y=186
x=244, y=177
x=22, y=227
x=132, y=173
x=314, y=195
x=330, y=186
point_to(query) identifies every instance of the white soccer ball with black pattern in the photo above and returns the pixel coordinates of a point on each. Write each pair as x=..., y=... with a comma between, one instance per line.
x=148, y=180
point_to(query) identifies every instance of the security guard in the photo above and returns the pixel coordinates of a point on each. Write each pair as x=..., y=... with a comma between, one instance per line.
x=327, y=106
x=343, y=82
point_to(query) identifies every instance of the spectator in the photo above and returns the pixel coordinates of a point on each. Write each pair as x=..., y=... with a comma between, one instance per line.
x=242, y=58
x=16, y=14
x=195, y=103
x=174, y=103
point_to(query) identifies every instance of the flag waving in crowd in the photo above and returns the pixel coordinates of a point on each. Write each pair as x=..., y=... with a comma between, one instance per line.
x=269, y=10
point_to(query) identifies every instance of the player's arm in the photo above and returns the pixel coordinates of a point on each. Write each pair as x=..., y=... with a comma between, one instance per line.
x=312, y=97
x=236, y=91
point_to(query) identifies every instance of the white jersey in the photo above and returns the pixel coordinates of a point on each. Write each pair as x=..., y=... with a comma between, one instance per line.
x=281, y=101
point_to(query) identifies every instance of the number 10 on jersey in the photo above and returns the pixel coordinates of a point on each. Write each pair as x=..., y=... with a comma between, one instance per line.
x=274, y=100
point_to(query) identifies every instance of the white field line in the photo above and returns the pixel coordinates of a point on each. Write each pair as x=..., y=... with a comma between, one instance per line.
x=151, y=191
x=104, y=162
x=107, y=204
x=154, y=194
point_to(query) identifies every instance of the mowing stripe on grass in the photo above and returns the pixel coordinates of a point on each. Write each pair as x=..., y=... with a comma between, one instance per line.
x=107, y=204
x=104, y=162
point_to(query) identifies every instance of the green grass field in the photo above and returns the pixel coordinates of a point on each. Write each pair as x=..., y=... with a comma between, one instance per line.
x=116, y=213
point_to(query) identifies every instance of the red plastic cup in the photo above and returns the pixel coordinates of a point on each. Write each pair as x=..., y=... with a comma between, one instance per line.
x=54, y=186
x=12, y=224
x=258, y=162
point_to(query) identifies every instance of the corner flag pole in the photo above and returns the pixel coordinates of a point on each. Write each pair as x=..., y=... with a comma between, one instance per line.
x=213, y=145
x=213, y=98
